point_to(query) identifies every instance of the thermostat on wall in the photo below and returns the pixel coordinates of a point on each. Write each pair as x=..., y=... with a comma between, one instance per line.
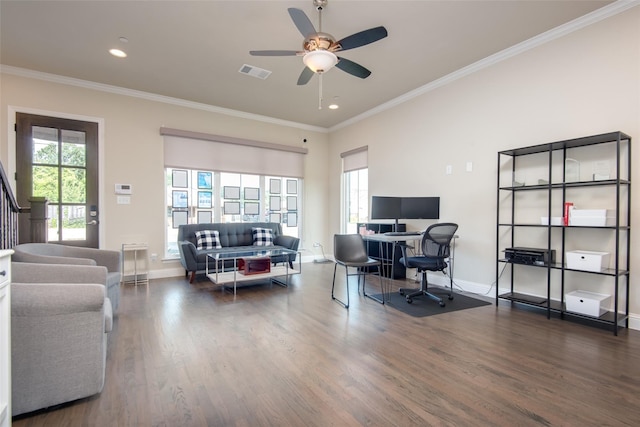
x=123, y=189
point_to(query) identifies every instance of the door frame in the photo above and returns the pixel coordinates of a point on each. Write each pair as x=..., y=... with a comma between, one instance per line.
x=11, y=167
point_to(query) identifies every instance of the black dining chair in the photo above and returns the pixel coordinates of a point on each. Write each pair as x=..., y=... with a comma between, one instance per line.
x=349, y=251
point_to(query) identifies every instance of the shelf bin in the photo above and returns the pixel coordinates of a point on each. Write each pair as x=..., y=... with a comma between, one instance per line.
x=587, y=260
x=587, y=303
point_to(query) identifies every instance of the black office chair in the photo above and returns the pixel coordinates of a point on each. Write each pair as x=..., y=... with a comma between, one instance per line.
x=436, y=245
x=349, y=251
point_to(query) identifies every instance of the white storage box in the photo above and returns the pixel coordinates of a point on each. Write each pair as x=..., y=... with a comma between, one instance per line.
x=555, y=220
x=587, y=260
x=590, y=217
x=589, y=303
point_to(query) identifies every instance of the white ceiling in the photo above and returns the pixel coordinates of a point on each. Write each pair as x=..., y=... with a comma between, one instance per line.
x=192, y=50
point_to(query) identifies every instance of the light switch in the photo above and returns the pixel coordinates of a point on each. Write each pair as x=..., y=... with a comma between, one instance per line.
x=449, y=170
x=469, y=166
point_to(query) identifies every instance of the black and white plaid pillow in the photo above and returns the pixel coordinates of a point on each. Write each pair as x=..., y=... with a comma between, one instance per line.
x=262, y=236
x=208, y=239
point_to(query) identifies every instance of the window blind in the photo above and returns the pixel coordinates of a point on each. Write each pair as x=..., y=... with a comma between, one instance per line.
x=193, y=150
x=355, y=159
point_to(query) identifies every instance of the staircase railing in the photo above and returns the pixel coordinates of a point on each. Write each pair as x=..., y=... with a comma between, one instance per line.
x=9, y=211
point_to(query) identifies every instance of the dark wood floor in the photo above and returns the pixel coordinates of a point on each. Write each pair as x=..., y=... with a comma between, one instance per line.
x=190, y=355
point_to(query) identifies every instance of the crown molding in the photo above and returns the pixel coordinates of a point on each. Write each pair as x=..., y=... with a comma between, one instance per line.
x=54, y=78
x=553, y=34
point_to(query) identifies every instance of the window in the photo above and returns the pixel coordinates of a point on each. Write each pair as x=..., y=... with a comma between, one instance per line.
x=248, y=191
x=199, y=196
x=356, y=192
x=355, y=188
x=189, y=196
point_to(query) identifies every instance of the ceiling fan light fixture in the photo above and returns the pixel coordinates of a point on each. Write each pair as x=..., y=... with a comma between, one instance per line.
x=320, y=61
x=118, y=53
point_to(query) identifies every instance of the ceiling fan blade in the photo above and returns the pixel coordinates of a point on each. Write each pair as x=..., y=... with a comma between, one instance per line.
x=273, y=52
x=362, y=38
x=305, y=76
x=352, y=68
x=302, y=21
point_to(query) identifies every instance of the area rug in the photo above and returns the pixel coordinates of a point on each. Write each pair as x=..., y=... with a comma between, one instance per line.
x=424, y=306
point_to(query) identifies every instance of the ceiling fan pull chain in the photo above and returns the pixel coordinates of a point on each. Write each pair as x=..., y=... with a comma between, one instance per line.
x=320, y=92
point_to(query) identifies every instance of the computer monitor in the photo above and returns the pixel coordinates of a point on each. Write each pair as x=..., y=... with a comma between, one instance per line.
x=396, y=208
x=420, y=208
x=383, y=207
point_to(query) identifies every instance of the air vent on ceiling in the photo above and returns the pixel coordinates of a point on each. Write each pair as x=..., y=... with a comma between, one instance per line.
x=254, y=71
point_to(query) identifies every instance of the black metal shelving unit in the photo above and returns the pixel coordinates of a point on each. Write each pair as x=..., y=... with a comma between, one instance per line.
x=552, y=188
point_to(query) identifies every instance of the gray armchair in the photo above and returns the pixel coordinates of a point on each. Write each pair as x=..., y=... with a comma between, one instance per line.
x=51, y=253
x=58, y=334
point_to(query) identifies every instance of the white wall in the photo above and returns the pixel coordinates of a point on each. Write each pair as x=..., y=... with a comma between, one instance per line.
x=585, y=83
x=133, y=154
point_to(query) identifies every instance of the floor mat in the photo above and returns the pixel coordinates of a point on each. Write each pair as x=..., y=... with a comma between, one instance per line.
x=424, y=306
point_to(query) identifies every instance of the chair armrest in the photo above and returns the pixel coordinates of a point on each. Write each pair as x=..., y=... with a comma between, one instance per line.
x=27, y=272
x=52, y=299
x=288, y=242
x=104, y=257
x=108, y=315
x=188, y=255
x=404, y=247
x=21, y=256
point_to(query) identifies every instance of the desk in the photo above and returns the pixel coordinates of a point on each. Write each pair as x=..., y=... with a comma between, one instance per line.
x=393, y=240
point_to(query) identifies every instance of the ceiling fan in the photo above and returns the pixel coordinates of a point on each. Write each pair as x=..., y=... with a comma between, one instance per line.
x=319, y=49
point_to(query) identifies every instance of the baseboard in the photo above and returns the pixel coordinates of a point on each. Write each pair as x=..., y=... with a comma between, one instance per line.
x=166, y=273
x=634, y=322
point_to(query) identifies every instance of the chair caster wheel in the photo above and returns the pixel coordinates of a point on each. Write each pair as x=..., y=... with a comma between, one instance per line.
x=409, y=300
x=401, y=292
x=442, y=304
x=450, y=297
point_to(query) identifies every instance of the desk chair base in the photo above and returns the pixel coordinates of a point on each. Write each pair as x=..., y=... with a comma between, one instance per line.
x=410, y=294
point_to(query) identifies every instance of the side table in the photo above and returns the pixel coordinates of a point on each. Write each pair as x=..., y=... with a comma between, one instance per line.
x=135, y=263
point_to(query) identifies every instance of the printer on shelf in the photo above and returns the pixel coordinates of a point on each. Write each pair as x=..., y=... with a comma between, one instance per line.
x=530, y=256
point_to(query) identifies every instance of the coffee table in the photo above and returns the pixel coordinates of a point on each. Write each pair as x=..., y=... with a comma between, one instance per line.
x=217, y=273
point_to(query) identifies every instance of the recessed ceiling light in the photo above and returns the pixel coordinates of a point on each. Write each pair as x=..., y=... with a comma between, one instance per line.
x=334, y=106
x=117, y=53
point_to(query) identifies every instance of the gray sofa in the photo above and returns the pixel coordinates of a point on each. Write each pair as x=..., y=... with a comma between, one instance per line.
x=51, y=253
x=233, y=237
x=58, y=334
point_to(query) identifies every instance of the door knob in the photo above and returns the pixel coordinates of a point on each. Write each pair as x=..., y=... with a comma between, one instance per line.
x=92, y=222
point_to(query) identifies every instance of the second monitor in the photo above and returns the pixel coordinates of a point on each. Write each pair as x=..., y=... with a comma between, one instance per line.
x=390, y=207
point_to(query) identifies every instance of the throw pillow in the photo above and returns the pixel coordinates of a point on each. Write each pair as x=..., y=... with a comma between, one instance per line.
x=208, y=239
x=262, y=236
